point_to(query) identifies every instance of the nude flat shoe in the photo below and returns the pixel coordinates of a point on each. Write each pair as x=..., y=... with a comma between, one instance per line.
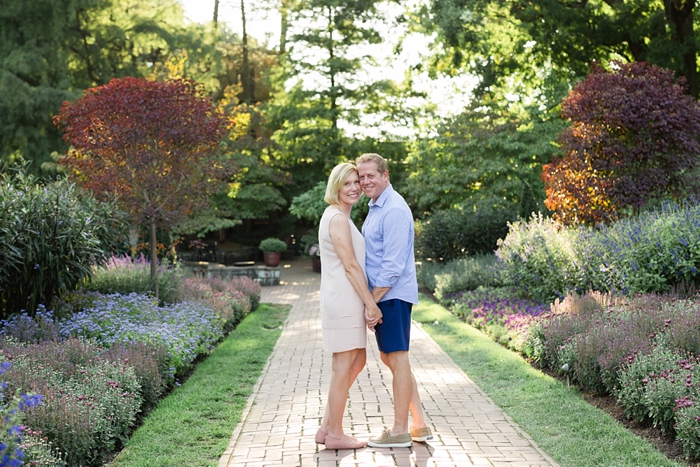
x=321, y=436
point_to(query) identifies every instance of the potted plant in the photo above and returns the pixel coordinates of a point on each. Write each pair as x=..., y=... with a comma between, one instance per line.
x=272, y=249
x=315, y=253
x=309, y=248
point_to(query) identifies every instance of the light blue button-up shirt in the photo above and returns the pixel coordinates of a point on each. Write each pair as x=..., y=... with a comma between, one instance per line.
x=390, y=261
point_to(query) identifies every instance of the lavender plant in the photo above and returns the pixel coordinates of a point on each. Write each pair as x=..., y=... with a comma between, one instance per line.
x=498, y=312
x=651, y=252
x=125, y=275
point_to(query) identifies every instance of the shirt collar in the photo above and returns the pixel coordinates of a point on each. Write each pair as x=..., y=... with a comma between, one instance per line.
x=382, y=198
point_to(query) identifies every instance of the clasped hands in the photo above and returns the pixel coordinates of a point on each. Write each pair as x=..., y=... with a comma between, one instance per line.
x=373, y=316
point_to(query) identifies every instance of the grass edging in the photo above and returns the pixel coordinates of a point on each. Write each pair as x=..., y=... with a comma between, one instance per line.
x=192, y=426
x=559, y=420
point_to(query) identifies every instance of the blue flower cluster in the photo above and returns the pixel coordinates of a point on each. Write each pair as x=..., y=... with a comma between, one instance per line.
x=186, y=329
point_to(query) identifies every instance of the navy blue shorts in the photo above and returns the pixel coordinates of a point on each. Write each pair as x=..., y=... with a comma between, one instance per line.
x=394, y=333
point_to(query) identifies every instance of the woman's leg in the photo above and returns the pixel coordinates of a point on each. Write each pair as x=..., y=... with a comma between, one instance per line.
x=345, y=368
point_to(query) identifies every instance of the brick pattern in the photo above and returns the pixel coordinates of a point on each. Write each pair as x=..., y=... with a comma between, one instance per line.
x=286, y=407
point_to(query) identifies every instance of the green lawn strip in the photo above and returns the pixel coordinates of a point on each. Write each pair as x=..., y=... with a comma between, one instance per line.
x=193, y=425
x=560, y=421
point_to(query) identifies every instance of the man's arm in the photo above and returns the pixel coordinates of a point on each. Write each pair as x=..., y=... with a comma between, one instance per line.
x=379, y=292
x=395, y=254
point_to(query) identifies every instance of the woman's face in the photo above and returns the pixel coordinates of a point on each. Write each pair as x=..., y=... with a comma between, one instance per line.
x=350, y=191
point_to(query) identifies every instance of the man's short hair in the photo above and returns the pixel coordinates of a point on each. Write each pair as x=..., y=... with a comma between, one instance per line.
x=336, y=180
x=372, y=157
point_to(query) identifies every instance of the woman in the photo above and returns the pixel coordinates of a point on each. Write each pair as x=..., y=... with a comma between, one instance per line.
x=347, y=305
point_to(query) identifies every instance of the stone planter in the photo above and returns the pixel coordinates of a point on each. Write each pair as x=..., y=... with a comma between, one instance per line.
x=272, y=259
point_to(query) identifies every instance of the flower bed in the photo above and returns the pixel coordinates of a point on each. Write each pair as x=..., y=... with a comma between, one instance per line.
x=102, y=359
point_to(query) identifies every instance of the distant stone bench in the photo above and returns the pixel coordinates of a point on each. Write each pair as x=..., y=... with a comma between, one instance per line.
x=263, y=275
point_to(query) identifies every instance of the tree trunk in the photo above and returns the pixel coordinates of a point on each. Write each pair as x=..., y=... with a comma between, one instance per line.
x=246, y=75
x=284, y=26
x=154, y=256
x=680, y=15
x=216, y=13
x=335, y=143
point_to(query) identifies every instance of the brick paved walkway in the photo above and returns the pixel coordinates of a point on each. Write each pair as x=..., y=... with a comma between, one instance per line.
x=286, y=407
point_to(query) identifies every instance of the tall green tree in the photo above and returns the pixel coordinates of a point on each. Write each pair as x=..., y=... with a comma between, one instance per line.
x=324, y=85
x=482, y=154
x=117, y=38
x=51, y=51
x=34, y=79
x=557, y=40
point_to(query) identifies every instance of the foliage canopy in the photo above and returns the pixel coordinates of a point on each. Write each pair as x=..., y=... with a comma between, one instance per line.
x=634, y=138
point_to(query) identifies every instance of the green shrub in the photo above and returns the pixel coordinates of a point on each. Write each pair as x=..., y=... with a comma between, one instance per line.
x=538, y=257
x=272, y=245
x=50, y=236
x=465, y=274
x=652, y=252
x=38, y=451
x=125, y=275
x=469, y=230
x=457, y=275
x=688, y=428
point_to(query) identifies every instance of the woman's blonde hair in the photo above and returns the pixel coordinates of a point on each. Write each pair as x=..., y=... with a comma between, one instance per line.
x=336, y=180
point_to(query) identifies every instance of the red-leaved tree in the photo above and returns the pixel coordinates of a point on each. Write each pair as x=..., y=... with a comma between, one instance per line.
x=152, y=144
x=633, y=138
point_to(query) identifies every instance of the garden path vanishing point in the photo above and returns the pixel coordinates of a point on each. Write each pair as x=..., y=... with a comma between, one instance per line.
x=278, y=425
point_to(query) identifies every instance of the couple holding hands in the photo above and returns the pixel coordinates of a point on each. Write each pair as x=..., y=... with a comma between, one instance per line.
x=368, y=279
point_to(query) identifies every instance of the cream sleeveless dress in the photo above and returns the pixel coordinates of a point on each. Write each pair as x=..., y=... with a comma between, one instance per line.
x=342, y=310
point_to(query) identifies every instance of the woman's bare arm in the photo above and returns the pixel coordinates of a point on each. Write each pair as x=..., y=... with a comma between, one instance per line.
x=341, y=237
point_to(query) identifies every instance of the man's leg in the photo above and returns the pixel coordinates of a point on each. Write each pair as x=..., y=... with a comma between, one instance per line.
x=393, y=337
x=403, y=386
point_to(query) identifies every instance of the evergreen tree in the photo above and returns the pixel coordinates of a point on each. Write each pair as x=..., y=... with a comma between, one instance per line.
x=324, y=85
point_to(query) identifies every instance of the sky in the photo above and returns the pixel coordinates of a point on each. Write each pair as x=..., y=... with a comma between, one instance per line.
x=258, y=26
x=450, y=95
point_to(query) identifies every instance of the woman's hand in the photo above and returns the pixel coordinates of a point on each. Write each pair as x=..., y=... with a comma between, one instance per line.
x=373, y=316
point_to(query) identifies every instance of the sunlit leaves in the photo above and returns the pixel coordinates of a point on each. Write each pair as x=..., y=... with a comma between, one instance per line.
x=634, y=138
x=151, y=143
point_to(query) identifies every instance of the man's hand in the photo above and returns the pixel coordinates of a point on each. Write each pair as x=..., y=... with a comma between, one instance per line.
x=373, y=316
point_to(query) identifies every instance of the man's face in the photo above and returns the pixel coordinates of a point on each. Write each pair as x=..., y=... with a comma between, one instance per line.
x=372, y=182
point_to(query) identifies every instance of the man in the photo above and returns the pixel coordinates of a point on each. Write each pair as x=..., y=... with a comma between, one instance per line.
x=391, y=273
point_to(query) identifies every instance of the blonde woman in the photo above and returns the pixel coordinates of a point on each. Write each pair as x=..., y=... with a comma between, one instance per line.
x=347, y=306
